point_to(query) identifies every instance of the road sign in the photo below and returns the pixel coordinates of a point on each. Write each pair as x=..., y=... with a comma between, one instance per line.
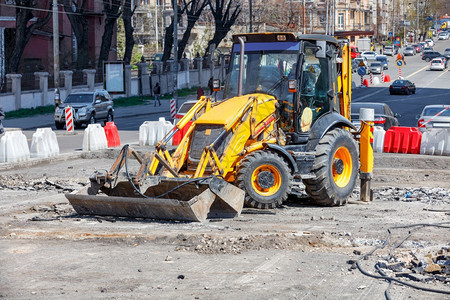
x=361, y=64
x=362, y=71
x=390, y=34
x=399, y=63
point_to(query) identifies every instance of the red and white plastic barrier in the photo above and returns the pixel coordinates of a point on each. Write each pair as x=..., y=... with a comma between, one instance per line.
x=173, y=108
x=69, y=118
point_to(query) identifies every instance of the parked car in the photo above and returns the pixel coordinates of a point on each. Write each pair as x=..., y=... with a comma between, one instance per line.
x=88, y=108
x=384, y=117
x=370, y=55
x=443, y=35
x=447, y=53
x=390, y=50
x=184, y=108
x=376, y=67
x=402, y=86
x=409, y=51
x=437, y=64
x=428, y=56
x=384, y=61
x=434, y=116
x=430, y=42
x=418, y=47
x=428, y=49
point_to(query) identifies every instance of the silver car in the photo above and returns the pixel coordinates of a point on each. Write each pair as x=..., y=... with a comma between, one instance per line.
x=434, y=116
x=88, y=108
x=409, y=51
x=376, y=67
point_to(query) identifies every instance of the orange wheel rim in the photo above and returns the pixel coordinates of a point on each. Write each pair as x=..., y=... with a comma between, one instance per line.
x=272, y=185
x=342, y=167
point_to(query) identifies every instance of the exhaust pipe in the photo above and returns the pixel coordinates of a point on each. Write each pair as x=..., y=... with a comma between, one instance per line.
x=241, y=65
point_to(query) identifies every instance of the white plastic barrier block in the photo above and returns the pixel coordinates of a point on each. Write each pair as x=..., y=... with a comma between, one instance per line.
x=14, y=147
x=94, y=138
x=151, y=132
x=376, y=80
x=435, y=141
x=44, y=143
x=378, y=138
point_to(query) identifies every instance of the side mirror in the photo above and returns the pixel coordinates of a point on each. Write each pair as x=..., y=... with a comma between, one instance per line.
x=417, y=117
x=292, y=86
x=97, y=101
x=321, y=49
x=216, y=85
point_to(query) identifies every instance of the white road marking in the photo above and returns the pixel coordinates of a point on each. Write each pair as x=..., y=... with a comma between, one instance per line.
x=420, y=70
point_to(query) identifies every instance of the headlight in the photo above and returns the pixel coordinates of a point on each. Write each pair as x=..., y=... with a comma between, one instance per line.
x=82, y=111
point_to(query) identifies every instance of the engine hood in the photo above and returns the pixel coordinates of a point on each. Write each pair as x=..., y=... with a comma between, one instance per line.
x=226, y=111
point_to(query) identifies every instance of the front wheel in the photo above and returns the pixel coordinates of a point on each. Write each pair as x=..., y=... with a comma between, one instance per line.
x=109, y=118
x=92, y=119
x=266, y=179
x=59, y=125
x=335, y=167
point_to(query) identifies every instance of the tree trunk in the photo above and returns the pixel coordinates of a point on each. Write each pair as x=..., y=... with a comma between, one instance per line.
x=80, y=28
x=168, y=42
x=23, y=34
x=127, y=14
x=112, y=14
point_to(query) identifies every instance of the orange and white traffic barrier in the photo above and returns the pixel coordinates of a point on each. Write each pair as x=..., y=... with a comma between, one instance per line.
x=69, y=118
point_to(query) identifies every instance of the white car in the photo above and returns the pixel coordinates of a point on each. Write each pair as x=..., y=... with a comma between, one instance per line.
x=437, y=64
x=443, y=35
x=370, y=55
x=430, y=42
x=434, y=116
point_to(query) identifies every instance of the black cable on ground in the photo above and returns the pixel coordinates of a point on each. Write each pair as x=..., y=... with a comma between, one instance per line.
x=392, y=279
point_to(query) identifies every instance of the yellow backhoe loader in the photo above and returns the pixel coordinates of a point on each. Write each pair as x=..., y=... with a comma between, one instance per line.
x=284, y=117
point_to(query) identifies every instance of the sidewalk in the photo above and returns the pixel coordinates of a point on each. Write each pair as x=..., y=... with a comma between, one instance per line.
x=46, y=120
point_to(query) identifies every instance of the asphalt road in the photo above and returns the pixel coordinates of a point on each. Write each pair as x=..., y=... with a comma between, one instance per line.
x=432, y=87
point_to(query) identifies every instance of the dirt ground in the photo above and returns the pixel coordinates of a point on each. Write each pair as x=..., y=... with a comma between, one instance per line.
x=299, y=251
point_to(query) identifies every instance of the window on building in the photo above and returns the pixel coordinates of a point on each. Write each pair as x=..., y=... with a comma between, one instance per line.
x=366, y=18
x=341, y=21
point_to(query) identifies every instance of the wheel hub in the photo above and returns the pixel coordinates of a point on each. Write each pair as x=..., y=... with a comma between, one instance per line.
x=339, y=166
x=266, y=179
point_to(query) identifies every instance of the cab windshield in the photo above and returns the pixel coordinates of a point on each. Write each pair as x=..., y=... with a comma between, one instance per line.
x=268, y=67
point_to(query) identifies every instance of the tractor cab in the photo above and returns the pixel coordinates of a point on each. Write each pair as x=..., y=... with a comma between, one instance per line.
x=299, y=71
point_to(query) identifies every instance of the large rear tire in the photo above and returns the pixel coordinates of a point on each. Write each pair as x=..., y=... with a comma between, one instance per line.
x=335, y=167
x=266, y=179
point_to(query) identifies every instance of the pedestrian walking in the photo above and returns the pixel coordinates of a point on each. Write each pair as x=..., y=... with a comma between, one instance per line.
x=2, y=117
x=157, y=92
x=210, y=85
x=200, y=92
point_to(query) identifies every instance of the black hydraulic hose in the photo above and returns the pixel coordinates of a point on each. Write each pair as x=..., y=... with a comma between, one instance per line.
x=200, y=180
x=392, y=279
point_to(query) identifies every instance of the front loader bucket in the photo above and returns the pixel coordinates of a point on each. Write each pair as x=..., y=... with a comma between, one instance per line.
x=171, y=199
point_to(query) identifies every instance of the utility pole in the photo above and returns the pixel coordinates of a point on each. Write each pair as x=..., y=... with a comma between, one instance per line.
x=393, y=20
x=56, y=50
x=156, y=26
x=175, y=52
x=304, y=18
x=251, y=15
x=327, y=26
